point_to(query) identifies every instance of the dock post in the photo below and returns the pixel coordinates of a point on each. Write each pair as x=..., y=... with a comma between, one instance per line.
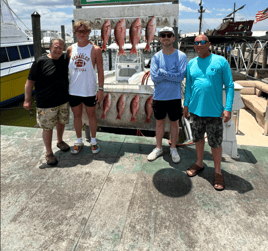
x=225, y=50
x=63, y=32
x=36, y=27
x=175, y=28
x=264, y=57
x=74, y=37
x=110, y=54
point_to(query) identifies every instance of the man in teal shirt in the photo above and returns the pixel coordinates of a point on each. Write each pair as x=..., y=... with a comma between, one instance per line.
x=206, y=75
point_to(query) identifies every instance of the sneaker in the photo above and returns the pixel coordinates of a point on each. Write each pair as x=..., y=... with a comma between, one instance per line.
x=77, y=148
x=95, y=148
x=155, y=154
x=174, y=155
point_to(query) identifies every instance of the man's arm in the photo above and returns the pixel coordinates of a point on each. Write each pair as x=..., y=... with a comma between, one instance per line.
x=28, y=94
x=99, y=62
x=69, y=52
x=229, y=90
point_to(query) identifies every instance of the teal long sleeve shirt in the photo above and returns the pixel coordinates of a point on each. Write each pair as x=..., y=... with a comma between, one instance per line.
x=204, y=86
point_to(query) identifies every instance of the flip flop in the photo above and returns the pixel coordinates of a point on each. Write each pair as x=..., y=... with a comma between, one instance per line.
x=219, y=180
x=63, y=146
x=195, y=169
x=77, y=148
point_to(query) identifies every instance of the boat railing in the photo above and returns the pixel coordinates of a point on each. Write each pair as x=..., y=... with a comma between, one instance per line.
x=12, y=64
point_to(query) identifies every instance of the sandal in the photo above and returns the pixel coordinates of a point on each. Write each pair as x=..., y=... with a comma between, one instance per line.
x=77, y=148
x=195, y=169
x=219, y=180
x=51, y=159
x=63, y=146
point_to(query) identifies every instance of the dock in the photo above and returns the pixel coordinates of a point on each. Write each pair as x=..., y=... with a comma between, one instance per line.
x=117, y=200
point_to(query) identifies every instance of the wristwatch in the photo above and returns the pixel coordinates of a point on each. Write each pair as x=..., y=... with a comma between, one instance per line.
x=100, y=88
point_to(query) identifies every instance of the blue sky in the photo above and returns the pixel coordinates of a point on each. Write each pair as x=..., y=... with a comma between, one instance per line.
x=55, y=13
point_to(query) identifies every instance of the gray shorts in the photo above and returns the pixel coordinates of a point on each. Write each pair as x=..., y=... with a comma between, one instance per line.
x=213, y=126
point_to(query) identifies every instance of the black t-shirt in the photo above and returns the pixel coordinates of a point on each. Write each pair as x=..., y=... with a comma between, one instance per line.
x=51, y=81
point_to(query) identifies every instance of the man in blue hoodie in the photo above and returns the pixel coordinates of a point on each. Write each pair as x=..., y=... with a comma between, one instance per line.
x=206, y=75
x=168, y=68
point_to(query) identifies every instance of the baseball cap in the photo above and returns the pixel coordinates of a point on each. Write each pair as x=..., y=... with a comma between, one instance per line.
x=166, y=29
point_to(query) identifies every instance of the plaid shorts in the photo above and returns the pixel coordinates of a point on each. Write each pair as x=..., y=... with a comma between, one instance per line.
x=47, y=117
x=213, y=126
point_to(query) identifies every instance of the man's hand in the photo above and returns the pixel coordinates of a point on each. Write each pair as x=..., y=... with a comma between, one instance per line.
x=27, y=105
x=226, y=115
x=99, y=96
x=186, y=112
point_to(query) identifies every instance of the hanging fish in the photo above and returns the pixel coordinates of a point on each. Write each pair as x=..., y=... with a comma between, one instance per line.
x=119, y=34
x=148, y=109
x=135, y=34
x=105, y=33
x=149, y=33
x=120, y=106
x=134, y=107
x=106, y=105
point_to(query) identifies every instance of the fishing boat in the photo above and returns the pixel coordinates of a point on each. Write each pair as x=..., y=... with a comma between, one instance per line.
x=17, y=56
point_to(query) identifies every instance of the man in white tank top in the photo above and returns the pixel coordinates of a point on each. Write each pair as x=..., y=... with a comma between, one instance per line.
x=84, y=56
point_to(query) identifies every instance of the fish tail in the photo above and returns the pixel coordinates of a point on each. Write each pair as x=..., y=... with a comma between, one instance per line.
x=103, y=116
x=147, y=48
x=132, y=119
x=103, y=48
x=121, y=52
x=148, y=120
x=118, y=117
x=133, y=50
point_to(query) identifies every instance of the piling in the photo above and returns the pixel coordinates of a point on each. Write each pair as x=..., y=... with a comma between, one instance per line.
x=74, y=37
x=110, y=54
x=63, y=32
x=36, y=27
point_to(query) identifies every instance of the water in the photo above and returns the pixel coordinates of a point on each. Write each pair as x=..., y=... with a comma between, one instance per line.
x=18, y=116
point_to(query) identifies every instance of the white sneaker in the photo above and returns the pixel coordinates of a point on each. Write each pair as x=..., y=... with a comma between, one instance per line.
x=154, y=154
x=174, y=155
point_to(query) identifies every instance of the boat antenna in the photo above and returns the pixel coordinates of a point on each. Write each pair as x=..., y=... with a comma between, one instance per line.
x=201, y=11
x=5, y=1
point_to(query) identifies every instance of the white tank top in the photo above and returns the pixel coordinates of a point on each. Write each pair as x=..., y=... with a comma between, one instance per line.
x=82, y=74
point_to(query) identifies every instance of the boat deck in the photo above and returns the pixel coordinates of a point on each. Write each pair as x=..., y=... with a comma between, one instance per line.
x=117, y=200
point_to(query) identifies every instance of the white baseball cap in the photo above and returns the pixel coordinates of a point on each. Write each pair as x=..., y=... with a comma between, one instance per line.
x=166, y=29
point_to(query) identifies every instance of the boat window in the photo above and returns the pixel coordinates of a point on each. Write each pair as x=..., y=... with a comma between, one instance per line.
x=4, y=57
x=24, y=52
x=13, y=53
x=31, y=50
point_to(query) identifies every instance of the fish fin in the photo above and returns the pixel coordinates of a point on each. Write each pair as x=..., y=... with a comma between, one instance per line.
x=148, y=120
x=118, y=117
x=147, y=48
x=103, y=116
x=121, y=52
x=132, y=119
x=133, y=50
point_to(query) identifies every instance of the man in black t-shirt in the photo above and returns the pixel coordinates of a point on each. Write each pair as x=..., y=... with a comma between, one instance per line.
x=49, y=75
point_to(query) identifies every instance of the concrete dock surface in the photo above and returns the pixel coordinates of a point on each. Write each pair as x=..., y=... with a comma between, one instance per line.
x=117, y=200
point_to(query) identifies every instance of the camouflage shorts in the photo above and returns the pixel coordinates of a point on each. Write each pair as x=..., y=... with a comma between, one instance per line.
x=47, y=117
x=211, y=125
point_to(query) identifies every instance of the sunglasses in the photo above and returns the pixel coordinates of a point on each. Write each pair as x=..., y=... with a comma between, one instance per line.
x=82, y=31
x=202, y=42
x=168, y=35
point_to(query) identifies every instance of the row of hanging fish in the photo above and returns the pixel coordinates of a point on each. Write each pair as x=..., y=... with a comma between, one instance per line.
x=134, y=106
x=134, y=34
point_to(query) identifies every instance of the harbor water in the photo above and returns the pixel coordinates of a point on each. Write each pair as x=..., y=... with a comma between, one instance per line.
x=16, y=115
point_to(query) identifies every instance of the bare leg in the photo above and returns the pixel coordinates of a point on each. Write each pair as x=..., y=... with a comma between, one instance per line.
x=217, y=155
x=91, y=113
x=60, y=129
x=199, y=146
x=47, y=137
x=174, y=132
x=77, y=111
x=159, y=131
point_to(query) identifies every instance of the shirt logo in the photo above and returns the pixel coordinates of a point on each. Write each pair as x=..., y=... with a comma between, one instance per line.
x=80, y=63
